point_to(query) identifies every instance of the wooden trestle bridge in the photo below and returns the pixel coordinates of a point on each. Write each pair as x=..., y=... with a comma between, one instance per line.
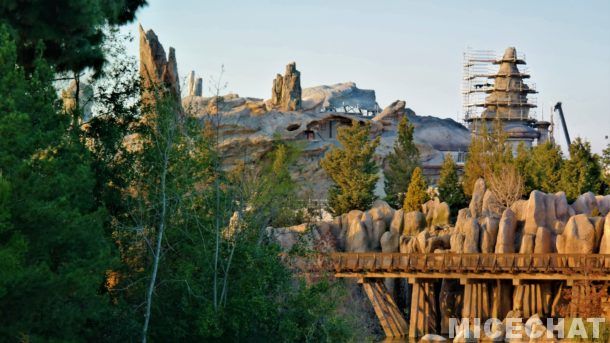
x=421, y=270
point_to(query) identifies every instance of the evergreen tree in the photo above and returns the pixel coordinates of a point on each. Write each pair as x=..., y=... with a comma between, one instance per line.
x=449, y=187
x=352, y=169
x=400, y=164
x=543, y=170
x=582, y=172
x=417, y=193
x=605, y=160
x=54, y=249
x=71, y=31
x=488, y=152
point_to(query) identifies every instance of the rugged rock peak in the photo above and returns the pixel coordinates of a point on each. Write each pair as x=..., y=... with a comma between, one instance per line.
x=393, y=112
x=194, y=84
x=286, y=90
x=156, y=68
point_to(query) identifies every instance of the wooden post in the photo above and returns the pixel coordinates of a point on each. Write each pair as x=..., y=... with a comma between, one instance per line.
x=390, y=318
x=423, y=313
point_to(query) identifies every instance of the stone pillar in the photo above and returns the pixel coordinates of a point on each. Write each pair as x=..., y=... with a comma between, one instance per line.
x=424, y=314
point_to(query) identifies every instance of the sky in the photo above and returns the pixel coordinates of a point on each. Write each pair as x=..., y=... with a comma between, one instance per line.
x=407, y=50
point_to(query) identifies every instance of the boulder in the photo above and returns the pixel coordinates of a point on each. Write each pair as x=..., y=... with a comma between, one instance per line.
x=535, y=212
x=404, y=244
x=367, y=220
x=396, y=225
x=562, y=212
x=414, y=222
x=519, y=208
x=544, y=241
x=586, y=204
x=527, y=243
x=432, y=338
x=356, y=239
x=379, y=229
x=471, y=236
x=457, y=242
x=604, y=247
x=441, y=215
x=598, y=226
x=476, y=202
x=381, y=210
x=505, y=242
x=578, y=236
x=390, y=242
x=491, y=206
x=603, y=204
x=490, y=226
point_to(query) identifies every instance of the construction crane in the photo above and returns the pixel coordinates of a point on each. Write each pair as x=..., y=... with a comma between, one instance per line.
x=563, y=121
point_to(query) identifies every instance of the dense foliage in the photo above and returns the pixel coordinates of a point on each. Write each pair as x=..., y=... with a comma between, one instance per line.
x=582, y=172
x=417, y=192
x=71, y=31
x=449, y=186
x=352, y=169
x=400, y=163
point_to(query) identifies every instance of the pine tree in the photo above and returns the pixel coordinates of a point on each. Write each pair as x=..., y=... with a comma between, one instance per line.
x=54, y=248
x=544, y=168
x=449, y=186
x=605, y=160
x=352, y=169
x=400, y=163
x=417, y=192
x=582, y=172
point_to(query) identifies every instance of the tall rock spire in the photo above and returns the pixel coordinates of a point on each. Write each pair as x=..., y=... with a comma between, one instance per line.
x=286, y=90
x=157, y=69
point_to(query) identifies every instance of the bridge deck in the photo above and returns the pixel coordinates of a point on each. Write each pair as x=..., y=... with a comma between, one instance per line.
x=570, y=267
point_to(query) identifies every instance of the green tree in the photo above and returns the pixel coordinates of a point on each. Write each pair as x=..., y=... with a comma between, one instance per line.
x=582, y=172
x=52, y=237
x=543, y=171
x=400, y=163
x=417, y=193
x=352, y=169
x=449, y=187
x=488, y=152
x=71, y=31
x=605, y=160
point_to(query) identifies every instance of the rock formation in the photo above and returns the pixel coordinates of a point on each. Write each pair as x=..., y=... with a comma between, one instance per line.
x=194, y=85
x=158, y=70
x=286, y=90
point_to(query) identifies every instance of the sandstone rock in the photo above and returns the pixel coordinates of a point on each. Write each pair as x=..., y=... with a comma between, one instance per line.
x=586, y=204
x=422, y=240
x=527, y=243
x=194, y=85
x=339, y=96
x=457, y=242
x=489, y=227
x=604, y=247
x=471, y=236
x=414, y=222
x=286, y=90
x=476, y=203
x=156, y=68
x=390, y=242
x=603, y=204
x=431, y=338
x=436, y=212
x=381, y=210
x=535, y=213
x=519, y=208
x=561, y=207
x=578, y=236
x=379, y=229
x=367, y=220
x=404, y=243
x=598, y=226
x=544, y=241
x=505, y=242
x=396, y=225
x=356, y=239
x=491, y=206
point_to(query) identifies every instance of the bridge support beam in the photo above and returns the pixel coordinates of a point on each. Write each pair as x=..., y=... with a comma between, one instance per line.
x=424, y=314
x=477, y=302
x=390, y=318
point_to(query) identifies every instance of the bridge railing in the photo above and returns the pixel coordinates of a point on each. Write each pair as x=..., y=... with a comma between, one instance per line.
x=581, y=264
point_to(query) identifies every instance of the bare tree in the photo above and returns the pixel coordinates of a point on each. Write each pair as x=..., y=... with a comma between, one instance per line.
x=506, y=183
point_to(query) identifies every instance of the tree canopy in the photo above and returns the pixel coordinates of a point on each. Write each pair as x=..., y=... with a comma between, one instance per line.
x=417, y=192
x=400, y=163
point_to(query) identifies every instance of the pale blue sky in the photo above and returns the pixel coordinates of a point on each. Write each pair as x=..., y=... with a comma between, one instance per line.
x=409, y=50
